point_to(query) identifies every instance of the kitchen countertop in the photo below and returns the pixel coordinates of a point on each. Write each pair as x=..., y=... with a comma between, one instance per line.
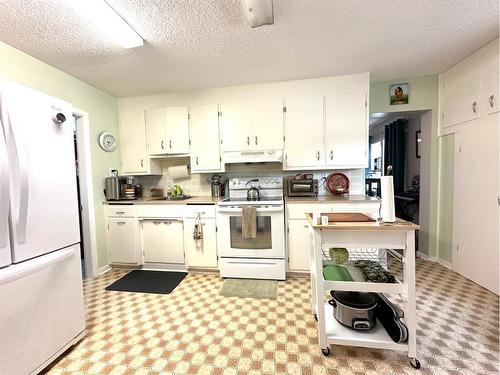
x=331, y=199
x=150, y=200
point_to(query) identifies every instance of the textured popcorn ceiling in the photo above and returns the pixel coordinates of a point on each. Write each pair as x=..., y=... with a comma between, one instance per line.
x=199, y=44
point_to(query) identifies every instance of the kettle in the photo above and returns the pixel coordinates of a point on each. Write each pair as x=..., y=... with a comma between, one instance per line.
x=253, y=193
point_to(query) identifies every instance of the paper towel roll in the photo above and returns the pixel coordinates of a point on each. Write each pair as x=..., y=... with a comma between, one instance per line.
x=387, y=211
x=179, y=171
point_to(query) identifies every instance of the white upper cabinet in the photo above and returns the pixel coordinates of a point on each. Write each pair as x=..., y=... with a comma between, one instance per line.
x=489, y=78
x=468, y=91
x=177, y=130
x=346, y=130
x=267, y=118
x=167, y=130
x=134, y=155
x=252, y=125
x=460, y=92
x=304, y=128
x=155, y=131
x=205, y=143
x=236, y=126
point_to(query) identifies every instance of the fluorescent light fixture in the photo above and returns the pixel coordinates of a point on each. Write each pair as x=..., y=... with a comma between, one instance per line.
x=113, y=25
x=261, y=12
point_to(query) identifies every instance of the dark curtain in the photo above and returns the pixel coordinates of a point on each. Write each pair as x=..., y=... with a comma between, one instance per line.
x=394, y=153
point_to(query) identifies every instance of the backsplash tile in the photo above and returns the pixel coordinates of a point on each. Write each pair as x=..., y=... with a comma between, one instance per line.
x=198, y=184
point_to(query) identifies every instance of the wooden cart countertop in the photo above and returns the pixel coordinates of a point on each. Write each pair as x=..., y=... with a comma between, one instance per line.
x=375, y=226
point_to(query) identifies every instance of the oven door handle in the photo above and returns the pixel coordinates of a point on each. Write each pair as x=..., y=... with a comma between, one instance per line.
x=238, y=210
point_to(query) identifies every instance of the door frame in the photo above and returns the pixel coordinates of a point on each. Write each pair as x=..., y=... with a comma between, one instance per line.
x=82, y=125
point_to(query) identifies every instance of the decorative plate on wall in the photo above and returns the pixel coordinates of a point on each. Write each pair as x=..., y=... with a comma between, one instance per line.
x=107, y=141
x=338, y=184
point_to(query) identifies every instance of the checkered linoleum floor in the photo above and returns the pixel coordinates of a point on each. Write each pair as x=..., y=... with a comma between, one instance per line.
x=195, y=331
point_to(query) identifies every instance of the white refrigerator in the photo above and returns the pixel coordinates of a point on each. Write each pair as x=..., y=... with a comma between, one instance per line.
x=41, y=294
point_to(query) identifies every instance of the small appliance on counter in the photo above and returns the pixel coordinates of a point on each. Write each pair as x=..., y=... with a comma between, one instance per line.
x=217, y=186
x=129, y=189
x=112, y=187
x=302, y=185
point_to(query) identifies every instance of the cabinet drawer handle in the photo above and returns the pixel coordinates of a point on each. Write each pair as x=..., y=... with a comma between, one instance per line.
x=120, y=212
x=256, y=140
x=248, y=141
x=318, y=155
x=305, y=226
x=157, y=222
x=170, y=143
x=331, y=154
x=490, y=99
x=162, y=145
x=167, y=222
x=474, y=107
x=120, y=222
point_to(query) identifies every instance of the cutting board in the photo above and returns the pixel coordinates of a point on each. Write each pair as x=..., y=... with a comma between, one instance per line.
x=348, y=217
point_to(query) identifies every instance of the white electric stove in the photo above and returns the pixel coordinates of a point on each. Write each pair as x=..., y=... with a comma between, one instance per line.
x=262, y=257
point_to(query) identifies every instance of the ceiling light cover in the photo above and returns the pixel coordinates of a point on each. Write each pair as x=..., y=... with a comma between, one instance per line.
x=111, y=23
x=261, y=12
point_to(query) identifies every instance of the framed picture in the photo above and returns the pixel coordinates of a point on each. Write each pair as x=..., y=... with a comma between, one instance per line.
x=399, y=93
x=418, y=142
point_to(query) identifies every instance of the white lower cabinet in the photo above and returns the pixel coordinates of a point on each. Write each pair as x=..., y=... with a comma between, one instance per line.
x=298, y=246
x=200, y=253
x=122, y=240
x=162, y=241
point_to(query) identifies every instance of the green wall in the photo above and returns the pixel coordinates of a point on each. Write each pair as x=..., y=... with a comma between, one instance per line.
x=103, y=115
x=445, y=202
x=424, y=96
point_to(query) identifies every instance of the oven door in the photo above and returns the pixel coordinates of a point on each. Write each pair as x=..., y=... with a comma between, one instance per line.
x=270, y=240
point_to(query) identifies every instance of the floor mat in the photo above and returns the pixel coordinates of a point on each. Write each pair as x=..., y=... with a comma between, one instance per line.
x=249, y=288
x=158, y=282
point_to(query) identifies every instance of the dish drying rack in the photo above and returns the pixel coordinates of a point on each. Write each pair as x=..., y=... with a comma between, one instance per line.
x=394, y=249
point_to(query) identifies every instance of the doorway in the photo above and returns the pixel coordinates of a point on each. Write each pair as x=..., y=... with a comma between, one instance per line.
x=88, y=244
x=402, y=140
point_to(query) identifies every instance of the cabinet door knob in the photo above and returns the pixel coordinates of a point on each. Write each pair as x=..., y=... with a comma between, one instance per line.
x=491, y=99
x=331, y=154
x=162, y=145
x=318, y=155
x=248, y=141
x=256, y=140
x=170, y=143
x=474, y=107
x=197, y=160
x=142, y=162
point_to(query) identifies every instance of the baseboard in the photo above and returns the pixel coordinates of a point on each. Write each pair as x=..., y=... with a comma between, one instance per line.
x=442, y=262
x=103, y=270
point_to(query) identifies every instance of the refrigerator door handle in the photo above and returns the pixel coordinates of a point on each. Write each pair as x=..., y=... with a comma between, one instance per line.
x=4, y=191
x=22, y=210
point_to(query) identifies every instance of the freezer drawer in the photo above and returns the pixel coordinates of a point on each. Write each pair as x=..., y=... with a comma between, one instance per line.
x=247, y=268
x=42, y=310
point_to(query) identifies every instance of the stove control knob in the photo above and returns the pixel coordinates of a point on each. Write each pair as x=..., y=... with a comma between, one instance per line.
x=235, y=182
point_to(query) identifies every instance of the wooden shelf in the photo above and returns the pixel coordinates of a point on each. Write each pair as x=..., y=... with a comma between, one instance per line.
x=377, y=337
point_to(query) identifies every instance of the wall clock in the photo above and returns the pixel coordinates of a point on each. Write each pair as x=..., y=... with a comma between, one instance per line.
x=107, y=141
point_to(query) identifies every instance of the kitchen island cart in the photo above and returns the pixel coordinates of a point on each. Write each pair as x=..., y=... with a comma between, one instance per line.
x=386, y=244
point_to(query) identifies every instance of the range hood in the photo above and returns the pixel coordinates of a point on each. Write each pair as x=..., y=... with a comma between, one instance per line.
x=267, y=156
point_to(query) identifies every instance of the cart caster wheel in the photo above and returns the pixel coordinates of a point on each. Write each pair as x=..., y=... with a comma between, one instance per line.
x=315, y=317
x=326, y=352
x=415, y=363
